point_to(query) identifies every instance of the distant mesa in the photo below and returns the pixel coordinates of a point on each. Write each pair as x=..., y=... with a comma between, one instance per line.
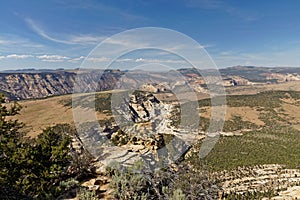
x=40, y=83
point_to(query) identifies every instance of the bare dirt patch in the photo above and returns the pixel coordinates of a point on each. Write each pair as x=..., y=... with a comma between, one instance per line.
x=247, y=114
x=256, y=88
x=292, y=111
x=41, y=113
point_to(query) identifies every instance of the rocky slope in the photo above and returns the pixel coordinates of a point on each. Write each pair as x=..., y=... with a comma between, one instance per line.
x=262, y=178
x=24, y=86
x=18, y=86
x=40, y=84
x=28, y=84
x=141, y=128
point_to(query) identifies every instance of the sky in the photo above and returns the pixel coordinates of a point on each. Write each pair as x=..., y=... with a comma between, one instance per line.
x=64, y=33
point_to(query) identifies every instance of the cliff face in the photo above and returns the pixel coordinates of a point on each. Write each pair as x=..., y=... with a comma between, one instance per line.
x=35, y=85
x=39, y=84
x=18, y=86
x=143, y=107
x=31, y=85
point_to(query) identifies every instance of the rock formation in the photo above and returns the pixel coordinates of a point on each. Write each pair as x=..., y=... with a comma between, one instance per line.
x=33, y=85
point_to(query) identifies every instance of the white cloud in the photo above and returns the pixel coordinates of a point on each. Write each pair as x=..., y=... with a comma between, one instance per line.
x=124, y=60
x=124, y=41
x=6, y=42
x=100, y=7
x=17, y=44
x=52, y=57
x=52, y=60
x=16, y=56
x=74, y=60
x=267, y=58
x=86, y=39
x=223, y=6
x=42, y=33
x=98, y=59
x=140, y=60
x=160, y=61
x=47, y=58
x=72, y=40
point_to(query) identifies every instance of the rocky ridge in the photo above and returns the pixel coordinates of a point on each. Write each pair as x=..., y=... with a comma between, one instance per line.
x=261, y=179
x=141, y=128
x=30, y=84
x=17, y=86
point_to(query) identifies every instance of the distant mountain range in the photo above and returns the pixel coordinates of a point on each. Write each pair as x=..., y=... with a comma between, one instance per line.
x=32, y=83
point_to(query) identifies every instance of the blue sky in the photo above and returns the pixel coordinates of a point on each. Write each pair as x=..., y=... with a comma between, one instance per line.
x=61, y=33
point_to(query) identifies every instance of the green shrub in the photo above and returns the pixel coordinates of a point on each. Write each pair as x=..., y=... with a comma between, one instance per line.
x=137, y=182
x=35, y=167
x=178, y=195
x=85, y=194
x=130, y=184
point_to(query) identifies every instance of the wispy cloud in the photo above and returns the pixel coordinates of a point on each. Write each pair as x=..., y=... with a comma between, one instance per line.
x=171, y=61
x=53, y=58
x=77, y=59
x=266, y=58
x=137, y=60
x=7, y=42
x=33, y=25
x=223, y=6
x=56, y=57
x=71, y=39
x=16, y=56
x=44, y=58
x=86, y=39
x=230, y=58
x=125, y=60
x=98, y=59
x=16, y=44
x=93, y=5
